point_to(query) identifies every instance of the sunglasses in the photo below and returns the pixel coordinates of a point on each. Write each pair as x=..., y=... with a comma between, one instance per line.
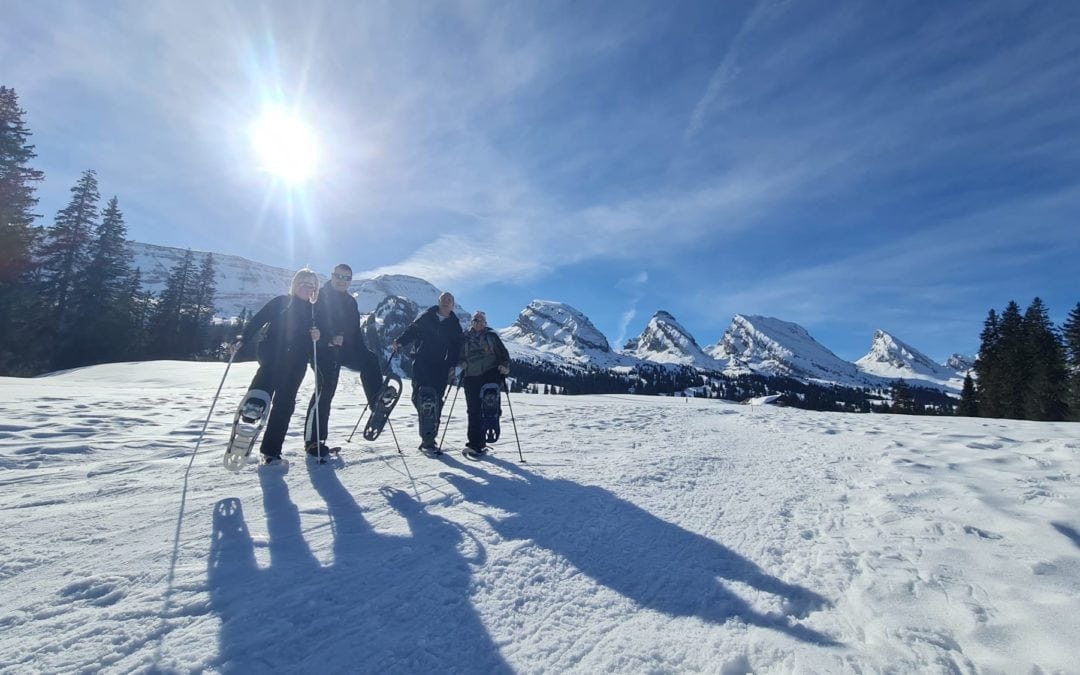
x=343, y=277
x=479, y=321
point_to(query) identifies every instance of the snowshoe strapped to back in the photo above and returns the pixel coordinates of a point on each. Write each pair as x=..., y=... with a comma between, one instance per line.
x=490, y=411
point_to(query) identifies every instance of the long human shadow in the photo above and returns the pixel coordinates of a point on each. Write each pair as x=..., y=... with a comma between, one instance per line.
x=385, y=603
x=656, y=564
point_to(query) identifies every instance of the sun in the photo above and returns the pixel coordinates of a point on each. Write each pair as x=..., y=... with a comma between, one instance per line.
x=286, y=147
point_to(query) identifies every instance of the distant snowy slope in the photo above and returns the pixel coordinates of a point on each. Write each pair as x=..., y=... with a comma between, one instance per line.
x=664, y=340
x=241, y=283
x=889, y=357
x=773, y=347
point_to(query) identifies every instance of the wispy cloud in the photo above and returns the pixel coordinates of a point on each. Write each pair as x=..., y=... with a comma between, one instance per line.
x=633, y=286
x=813, y=143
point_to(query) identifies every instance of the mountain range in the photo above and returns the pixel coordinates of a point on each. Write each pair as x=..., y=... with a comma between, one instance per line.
x=555, y=334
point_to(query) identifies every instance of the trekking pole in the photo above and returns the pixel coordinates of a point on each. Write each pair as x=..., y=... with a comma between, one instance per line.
x=358, y=421
x=213, y=403
x=506, y=388
x=449, y=414
x=395, y=440
x=318, y=379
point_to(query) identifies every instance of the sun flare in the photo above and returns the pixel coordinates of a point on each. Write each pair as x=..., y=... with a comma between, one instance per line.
x=286, y=147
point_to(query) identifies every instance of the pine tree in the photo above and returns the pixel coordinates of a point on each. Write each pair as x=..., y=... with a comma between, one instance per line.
x=63, y=255
x=202, y=312
x=1070, y=333
x=101, y=309
x=1014, y=361
x=17, y=237
x=1045, y=388
x=903, y=399
x=969, y=406
x=169, y=322
x=988, y=368
x=17, y=200
x=139, y=304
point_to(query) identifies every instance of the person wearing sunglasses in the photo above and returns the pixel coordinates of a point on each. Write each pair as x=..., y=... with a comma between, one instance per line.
x=484, y=360
x=283, y=331
x=437, y=333
x=336, y=310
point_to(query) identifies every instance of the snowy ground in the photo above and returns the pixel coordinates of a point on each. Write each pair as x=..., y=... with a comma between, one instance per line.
x=642, y=535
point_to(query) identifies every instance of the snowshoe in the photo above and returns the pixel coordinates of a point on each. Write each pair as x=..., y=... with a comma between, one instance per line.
x=247, y=424
x=273, y=463
x=490, y=411
x=431, y=450
x=472, y=453
x=383, y=406
x=320, y=450
x=427, y=403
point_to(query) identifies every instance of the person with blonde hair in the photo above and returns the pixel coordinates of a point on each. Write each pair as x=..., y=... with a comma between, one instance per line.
x=285, y=330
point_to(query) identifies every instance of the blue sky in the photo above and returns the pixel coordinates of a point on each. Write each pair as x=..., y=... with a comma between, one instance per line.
x=846, y=166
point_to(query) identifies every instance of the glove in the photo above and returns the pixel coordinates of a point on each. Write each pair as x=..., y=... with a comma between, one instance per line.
x=504, y=370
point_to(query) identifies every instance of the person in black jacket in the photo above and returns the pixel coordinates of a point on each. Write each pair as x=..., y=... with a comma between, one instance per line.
x=437, y=333
x=335, y=310
x=484, y=359
x=288, y=327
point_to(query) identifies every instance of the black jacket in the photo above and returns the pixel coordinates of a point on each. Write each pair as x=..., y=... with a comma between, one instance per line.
x=439, y=341
x=284, y=323
x=338, y=312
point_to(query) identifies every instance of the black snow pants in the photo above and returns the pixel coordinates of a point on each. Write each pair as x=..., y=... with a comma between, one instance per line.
x=280, y=376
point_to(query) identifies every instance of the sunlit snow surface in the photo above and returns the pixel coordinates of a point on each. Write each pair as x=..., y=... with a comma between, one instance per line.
x=643, y=535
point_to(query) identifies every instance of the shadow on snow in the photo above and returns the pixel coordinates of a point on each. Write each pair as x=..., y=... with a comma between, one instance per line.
x=387, y=603
x=654, y=563
x=390, y=603
x=1069, y=532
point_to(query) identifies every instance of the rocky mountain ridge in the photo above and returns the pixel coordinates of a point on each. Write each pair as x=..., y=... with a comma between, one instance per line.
x=558, y=335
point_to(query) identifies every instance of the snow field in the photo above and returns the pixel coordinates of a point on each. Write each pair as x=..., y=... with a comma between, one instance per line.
x=643, y=534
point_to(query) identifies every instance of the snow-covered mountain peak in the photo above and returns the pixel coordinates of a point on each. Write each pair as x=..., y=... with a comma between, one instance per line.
x=665, y=340
x=891, y=357
x=545, y=322
x=370, y=292
x=961, y=363
x=554, y=332
x=773, y=347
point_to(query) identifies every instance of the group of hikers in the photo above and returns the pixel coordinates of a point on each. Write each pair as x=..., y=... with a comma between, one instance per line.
x=321, y=328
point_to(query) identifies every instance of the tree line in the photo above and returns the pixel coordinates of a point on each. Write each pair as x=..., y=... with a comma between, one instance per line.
x=1027, y=367
x=70, y=293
